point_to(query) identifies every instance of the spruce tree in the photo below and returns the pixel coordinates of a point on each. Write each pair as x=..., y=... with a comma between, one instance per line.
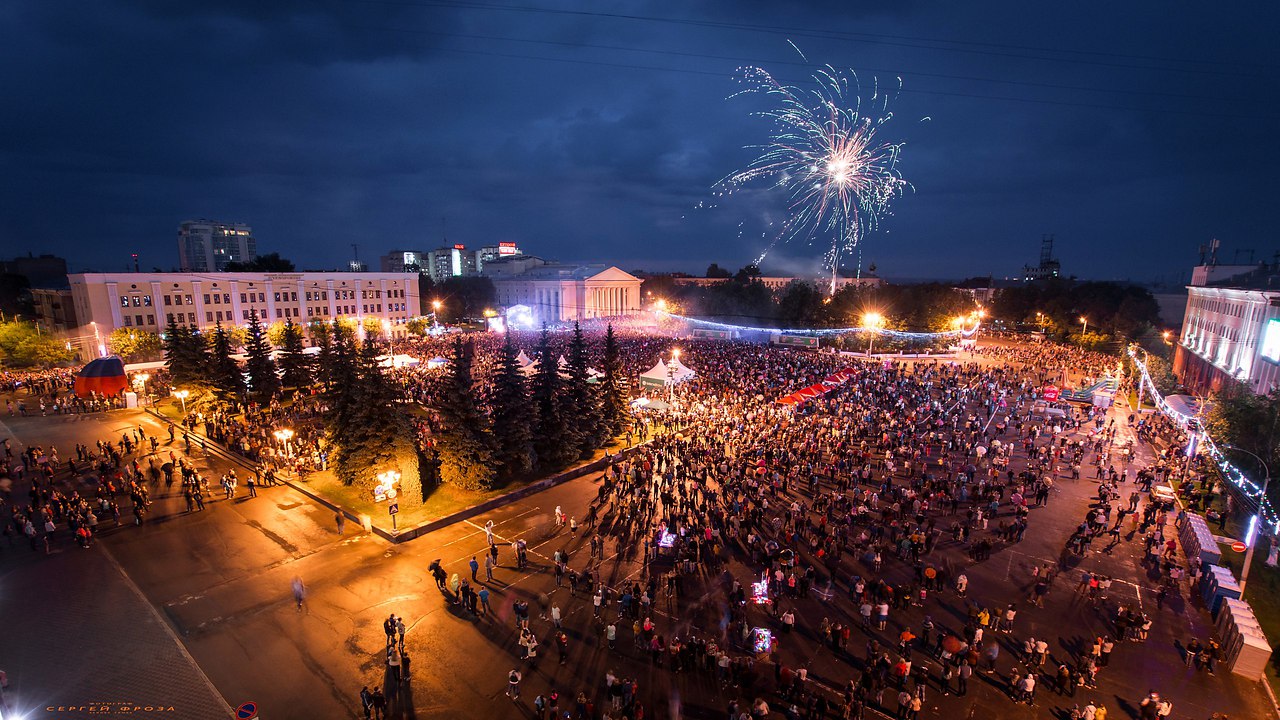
x=295, y=365
x=552, y=439
x=613, y=388
x=373, y=435
x=176, y=354
x=581, y=397
x=263, y=381
x=465, y=445
x=512, y=414
x=224, y=372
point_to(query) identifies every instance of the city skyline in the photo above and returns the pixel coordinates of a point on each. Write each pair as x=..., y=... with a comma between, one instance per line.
x=589, y=135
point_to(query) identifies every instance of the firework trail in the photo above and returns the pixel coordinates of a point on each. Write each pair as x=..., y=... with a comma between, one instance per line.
x=824, y=153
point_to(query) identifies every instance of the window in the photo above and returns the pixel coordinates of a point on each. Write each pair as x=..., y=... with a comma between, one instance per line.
x=244, y=298
x=277, y=297
x=262, y=297
x=128, y=321
x=309, y=309
x=308, y=296
x=166, y=301
x=217, y=299
x=278, y=313
x=124, y=301
x=293, y=296
x=208, y=316
x=146, y=301
x=191, y=317
x=226, y=298
x=218, y=315
x=246, y=314
x=169, y=318
x=151, y=319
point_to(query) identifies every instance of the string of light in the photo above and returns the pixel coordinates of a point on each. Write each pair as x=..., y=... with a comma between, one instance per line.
x=1233, y=474
x=820, y=332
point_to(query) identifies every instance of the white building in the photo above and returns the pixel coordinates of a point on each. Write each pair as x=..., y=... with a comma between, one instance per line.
x=1230, y=333
x=106, y=301
x=207, y=246
x=564, y=293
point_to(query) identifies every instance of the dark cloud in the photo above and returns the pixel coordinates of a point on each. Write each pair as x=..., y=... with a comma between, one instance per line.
x=597, y=131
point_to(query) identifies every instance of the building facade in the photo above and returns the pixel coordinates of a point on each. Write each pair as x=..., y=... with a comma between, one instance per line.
x=1229, y=333
x=207, y=245
x=444, y=263
x=564, y=293
x=399, y=261
x=106, y=301
x=55, y=310
x=41, y=271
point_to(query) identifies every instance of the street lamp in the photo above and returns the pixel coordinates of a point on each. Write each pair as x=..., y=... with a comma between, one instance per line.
x=435, y=313
x=1253, y=522
x=284, y=435
x=660, y=304
x=872, y=321
x=182, y=395
x=1084, y=320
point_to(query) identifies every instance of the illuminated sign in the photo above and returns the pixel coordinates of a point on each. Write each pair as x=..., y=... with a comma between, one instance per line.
x=507, y=248
x=1271, y=341
x=459, y=247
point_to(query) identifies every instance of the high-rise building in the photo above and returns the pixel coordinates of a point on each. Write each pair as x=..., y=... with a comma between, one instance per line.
x=448, y=262
x=207, y=246
x=489, y=253
x=404, y=261
x=41, y=271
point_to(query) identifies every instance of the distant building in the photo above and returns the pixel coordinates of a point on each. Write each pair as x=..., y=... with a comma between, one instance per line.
x=1048, y=267
x=403, y=261
x=207, y=246
x=557, y=292
x=107, y=301
x=54, y=308
x=491, y=253
x=41, y=271
x=446, y=262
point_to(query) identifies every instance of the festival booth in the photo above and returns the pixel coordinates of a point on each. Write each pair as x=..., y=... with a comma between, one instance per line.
x=104, y=376
x=664, y=374
x=436, y=362
x=829, y=383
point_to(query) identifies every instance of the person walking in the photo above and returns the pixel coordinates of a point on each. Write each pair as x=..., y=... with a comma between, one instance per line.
x=366, y=702
x=252, y=484
x=400, y=631
x=389, y=628
x=513, y=684
x=475, y=568
x=488, y=568
x=299, y=592
x=484, y=599
x=379, y=702
x=393, y=664
x=341, y=521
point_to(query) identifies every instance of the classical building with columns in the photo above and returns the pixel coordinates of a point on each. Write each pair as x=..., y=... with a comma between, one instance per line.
x=106, y=301
x=564, y=293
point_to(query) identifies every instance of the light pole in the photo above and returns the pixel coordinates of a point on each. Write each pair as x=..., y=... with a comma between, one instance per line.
x=671, y=375
x=1084, y=320
x=435, y=312
x=182, y=395
x=872, y=321
x=1253, y=523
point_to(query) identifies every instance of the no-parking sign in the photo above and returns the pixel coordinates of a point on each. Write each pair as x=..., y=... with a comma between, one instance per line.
x=247, y=711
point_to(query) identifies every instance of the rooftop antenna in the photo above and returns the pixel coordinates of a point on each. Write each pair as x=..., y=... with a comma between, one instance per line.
x=355, y=253
x=135, y=262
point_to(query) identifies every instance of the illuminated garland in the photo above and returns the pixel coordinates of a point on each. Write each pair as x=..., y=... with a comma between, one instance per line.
x=1233, y=474
x=826, y=331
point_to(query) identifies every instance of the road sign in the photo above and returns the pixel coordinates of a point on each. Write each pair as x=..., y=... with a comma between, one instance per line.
x=1238, y=546
x=247, y=711
x=393, y=508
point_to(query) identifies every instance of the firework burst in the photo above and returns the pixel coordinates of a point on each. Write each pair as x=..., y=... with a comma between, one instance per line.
x=824, y=153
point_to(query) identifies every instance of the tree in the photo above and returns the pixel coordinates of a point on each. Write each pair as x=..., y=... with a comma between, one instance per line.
x=271, y=262
x=23, y=345
x=368, y=430
x=263, y=381
x=613, y=391
x=715, y=271
x=1240, y=417
x=465, y=446
x=581, y=398
x=295, y=365
x=224, y=371
x=275, y=333
x=512, y=413
x=135, y=345
x=186, y=355
x=552, y=439
x=464, y=297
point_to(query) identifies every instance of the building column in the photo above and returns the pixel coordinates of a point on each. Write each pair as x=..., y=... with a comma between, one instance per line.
x=198, y=298
x=157, y=304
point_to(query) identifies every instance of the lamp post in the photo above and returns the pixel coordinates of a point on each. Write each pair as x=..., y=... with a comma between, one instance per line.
x=671, y=375
x=873, y=322
x=1084, y=320
x=1253, y=523
x=435, y=312
x=284, y=435
x=182, y=395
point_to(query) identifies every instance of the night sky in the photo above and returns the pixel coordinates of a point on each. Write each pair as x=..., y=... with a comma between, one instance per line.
x=593, y=131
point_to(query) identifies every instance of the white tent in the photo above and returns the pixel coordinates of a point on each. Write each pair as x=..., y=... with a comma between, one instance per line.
x=562, y=362
x=397, y=361
x=656, y=376
x=524, y=360
x=436, y=362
